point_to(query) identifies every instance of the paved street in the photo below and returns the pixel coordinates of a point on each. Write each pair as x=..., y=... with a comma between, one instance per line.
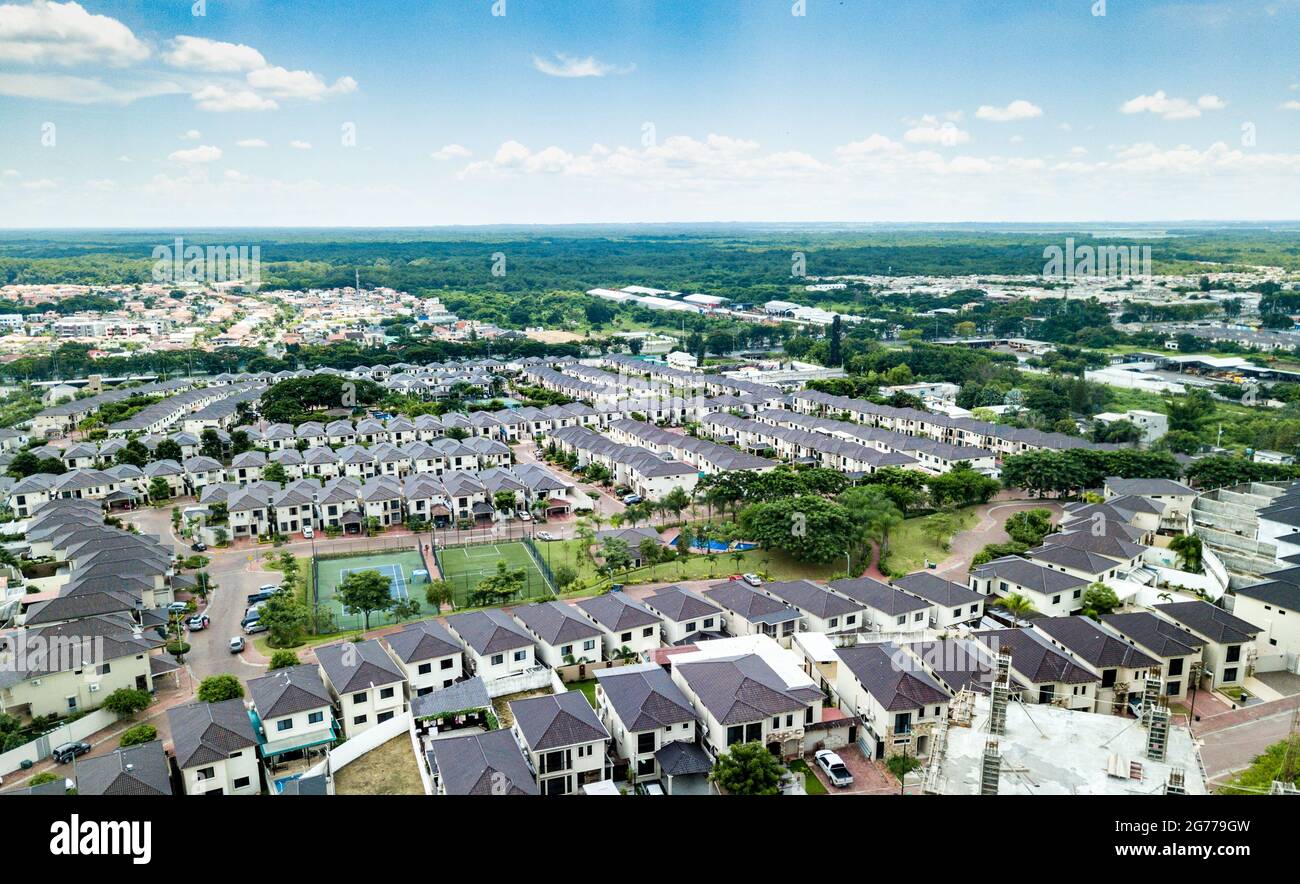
x=1232, y=740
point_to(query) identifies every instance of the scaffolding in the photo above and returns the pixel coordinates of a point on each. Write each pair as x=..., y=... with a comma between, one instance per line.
x=1177, y=782
x=990, y=768
x=1001, y=692
x=1158, y=733
x=933, y=781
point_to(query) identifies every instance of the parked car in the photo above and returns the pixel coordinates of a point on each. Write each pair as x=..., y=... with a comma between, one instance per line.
x=262, y=594
x=834, y=768
x=198, y=622
x=199, y=546
x=250, y=615
x=752, y=579
x=237, y=644
x=308, y=532
x=178, y=607
x=65, y=752
x=545, y=535
x=254, y=626
x=524, y=516
x=631, y=499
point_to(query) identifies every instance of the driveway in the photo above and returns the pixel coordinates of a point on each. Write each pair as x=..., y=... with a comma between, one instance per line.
x=1231, y=741
x=991, y=528
x=869, y=776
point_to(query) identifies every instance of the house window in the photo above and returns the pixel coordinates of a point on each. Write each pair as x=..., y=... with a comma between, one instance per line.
x=241, y=783
x=566, y=650
x=645, y=767
x=1108, y=677
x=589, y=645
x=647, y=632
x=625, y=637
x=1046, y=693
x=447, y=663
x=903, y=723
x=284, y=724
x=521, y=655
x=708, y=623
x=956, y=612
x=315, y=717
x=1056, y=599
x=645, y=743
x=359, y=697
x=498, y=659
x=1234, y=654
x=833, y=622
x=425, y=668
x=902, y=620
x=1230, y=675
x=359, y=719
x=1173, y=688
x=808, y=715
x=1176, y=667
x=384, y=716
x=386, y=693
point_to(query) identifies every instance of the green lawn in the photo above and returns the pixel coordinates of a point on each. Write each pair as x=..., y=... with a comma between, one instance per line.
x=811, y=784
x=925, y=539
x=588, y=689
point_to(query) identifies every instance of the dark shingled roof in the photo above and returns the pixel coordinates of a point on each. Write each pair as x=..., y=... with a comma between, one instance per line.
x=205, y=733
x=811, y=598
x=1156, y=634
x=557, y=720
x=425, y=640
x=679, y=604
x=137, y=770
x=936, y=590
x=489, y=632
x=356, y=666
x=555, y=622
x=616, y=612
x=879, y=596
x=1032, y=657
x=679, y=758
x=644, y=697
x=1213, y=623
x=1088, y=641
x=482, y=764
x=893, y=686
x=743, y=689
x=289, y=690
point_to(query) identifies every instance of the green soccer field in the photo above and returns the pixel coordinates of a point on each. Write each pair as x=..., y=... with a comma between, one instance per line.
x=464, y=566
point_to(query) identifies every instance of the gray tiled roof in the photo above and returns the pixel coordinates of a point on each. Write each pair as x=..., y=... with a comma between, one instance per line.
x=137, y=770
x=458, y=697
x=1156, y=634
x=489, y=632
x=743, y=689
x=679, y=604
x=895, y=687
x=880, y=596
x=356, y=666
x=1089, y=642
x=557, y=720
x=616, y=611
x=482, y=764
x=555, y=622
x=289, y=690
x=425, y=640
x=644, y=697
x=204, y=733
x=1209, y=621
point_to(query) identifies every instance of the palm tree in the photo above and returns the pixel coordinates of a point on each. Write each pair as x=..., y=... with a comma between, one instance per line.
x=1017, y=605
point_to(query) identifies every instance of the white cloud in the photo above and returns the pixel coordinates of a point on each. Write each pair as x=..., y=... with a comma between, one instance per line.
x=1169, y=108
x=65, y=34
x=570, y=66
x=124, y=159
x=202, y=54
x=219, y=99
x=450, y=152
x=1020, y=109
x=931, y=132
x=1016, y=139
x=1292, y=105
x=282, y=83
x=872, y=144
x=300, y=145
x=10, y=173
x=81, y=90
x=251, y=142
x=190, y=135
x=204, y=153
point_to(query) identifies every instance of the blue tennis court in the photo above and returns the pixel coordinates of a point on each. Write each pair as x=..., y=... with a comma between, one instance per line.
x=396, y=582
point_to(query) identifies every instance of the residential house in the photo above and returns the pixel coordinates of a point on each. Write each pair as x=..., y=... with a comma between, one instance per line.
x=215, y=748
x=368, y=685
x=430, y=655
x=563, y=740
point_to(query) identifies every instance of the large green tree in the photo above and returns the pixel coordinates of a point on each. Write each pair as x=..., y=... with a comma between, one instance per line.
x=748, y=769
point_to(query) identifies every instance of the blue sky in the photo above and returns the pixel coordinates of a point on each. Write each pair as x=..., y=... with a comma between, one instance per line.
x=440, y=112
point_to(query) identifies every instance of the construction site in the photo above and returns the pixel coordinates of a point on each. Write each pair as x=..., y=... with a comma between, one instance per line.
x=994, y=744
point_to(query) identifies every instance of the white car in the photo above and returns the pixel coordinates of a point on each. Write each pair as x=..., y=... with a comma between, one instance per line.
x=833, y=766
x=545, y=535
x=307, y=532
x=524, y=516
x=751, y=579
